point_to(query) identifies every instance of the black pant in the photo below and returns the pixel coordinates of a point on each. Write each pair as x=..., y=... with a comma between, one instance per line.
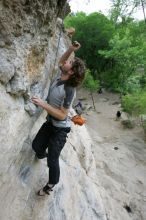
x=53, y=138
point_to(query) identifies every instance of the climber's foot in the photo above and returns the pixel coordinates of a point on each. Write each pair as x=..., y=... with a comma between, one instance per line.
x=41, y=156
x=45, y=190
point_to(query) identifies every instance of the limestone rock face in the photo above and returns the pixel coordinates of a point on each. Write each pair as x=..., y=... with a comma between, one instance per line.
x=29, y=34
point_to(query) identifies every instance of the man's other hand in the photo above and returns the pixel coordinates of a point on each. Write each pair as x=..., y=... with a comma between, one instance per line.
x=75, y=46
x=37, y=101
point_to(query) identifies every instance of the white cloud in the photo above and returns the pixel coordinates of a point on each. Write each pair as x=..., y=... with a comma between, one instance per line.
x=89, y=6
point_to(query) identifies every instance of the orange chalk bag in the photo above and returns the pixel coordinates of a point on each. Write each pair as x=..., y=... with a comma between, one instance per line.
x=78, y=120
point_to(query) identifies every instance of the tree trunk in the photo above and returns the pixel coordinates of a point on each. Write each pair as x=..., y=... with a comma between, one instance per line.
x=93, y=101
x=142, y=4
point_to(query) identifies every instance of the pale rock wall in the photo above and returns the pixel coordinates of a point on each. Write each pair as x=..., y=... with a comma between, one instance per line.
x=28, y=43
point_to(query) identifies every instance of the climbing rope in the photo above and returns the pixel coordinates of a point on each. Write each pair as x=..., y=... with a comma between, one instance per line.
x=64, y=11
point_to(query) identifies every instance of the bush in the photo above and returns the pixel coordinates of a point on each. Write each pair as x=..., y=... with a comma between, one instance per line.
x=133, y=84
x=89, y=82
x=143, y=81
x=134, y=104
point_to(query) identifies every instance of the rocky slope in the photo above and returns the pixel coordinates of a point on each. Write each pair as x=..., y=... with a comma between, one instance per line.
x=28, y=42
x=120, y=157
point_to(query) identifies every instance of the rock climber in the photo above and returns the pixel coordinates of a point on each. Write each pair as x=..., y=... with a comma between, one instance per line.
x=52, y=135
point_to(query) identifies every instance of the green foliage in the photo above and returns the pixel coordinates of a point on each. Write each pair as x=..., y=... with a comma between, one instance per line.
x=89, y=83
x=74, y=20
x=94, y=32
x=134, y=104
x=133, y=84
x=115, y=52
x=110, y=80
x=111, y=56
x=122, y=10
x=142, y=81
x=126, y=57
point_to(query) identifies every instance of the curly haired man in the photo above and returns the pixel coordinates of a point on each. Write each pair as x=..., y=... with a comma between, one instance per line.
x=53, y=133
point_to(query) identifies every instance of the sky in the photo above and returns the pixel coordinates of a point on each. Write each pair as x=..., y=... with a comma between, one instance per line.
x=89, y=6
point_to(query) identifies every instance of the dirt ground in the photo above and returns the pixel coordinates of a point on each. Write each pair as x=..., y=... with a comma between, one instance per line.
x=120, y=156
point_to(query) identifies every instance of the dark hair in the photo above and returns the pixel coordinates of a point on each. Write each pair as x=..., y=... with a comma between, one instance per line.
x=78, y=68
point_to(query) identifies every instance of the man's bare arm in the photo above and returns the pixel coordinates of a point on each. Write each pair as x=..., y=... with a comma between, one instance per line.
x=75, y=46
x=56, y=113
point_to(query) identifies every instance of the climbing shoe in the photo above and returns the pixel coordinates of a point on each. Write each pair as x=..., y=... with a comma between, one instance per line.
x=45, y=190
x=41, y=156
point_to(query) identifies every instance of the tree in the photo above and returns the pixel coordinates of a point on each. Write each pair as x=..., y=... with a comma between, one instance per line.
x=123, y=9
x=135, y=104
x=127, y=55
x=91, y=84
x=112, y=54
x=94, y=32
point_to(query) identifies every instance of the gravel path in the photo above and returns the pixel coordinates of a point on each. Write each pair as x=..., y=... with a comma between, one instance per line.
x=120, y=156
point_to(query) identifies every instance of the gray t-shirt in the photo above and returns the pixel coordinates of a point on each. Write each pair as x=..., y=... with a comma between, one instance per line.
x=60, y=95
